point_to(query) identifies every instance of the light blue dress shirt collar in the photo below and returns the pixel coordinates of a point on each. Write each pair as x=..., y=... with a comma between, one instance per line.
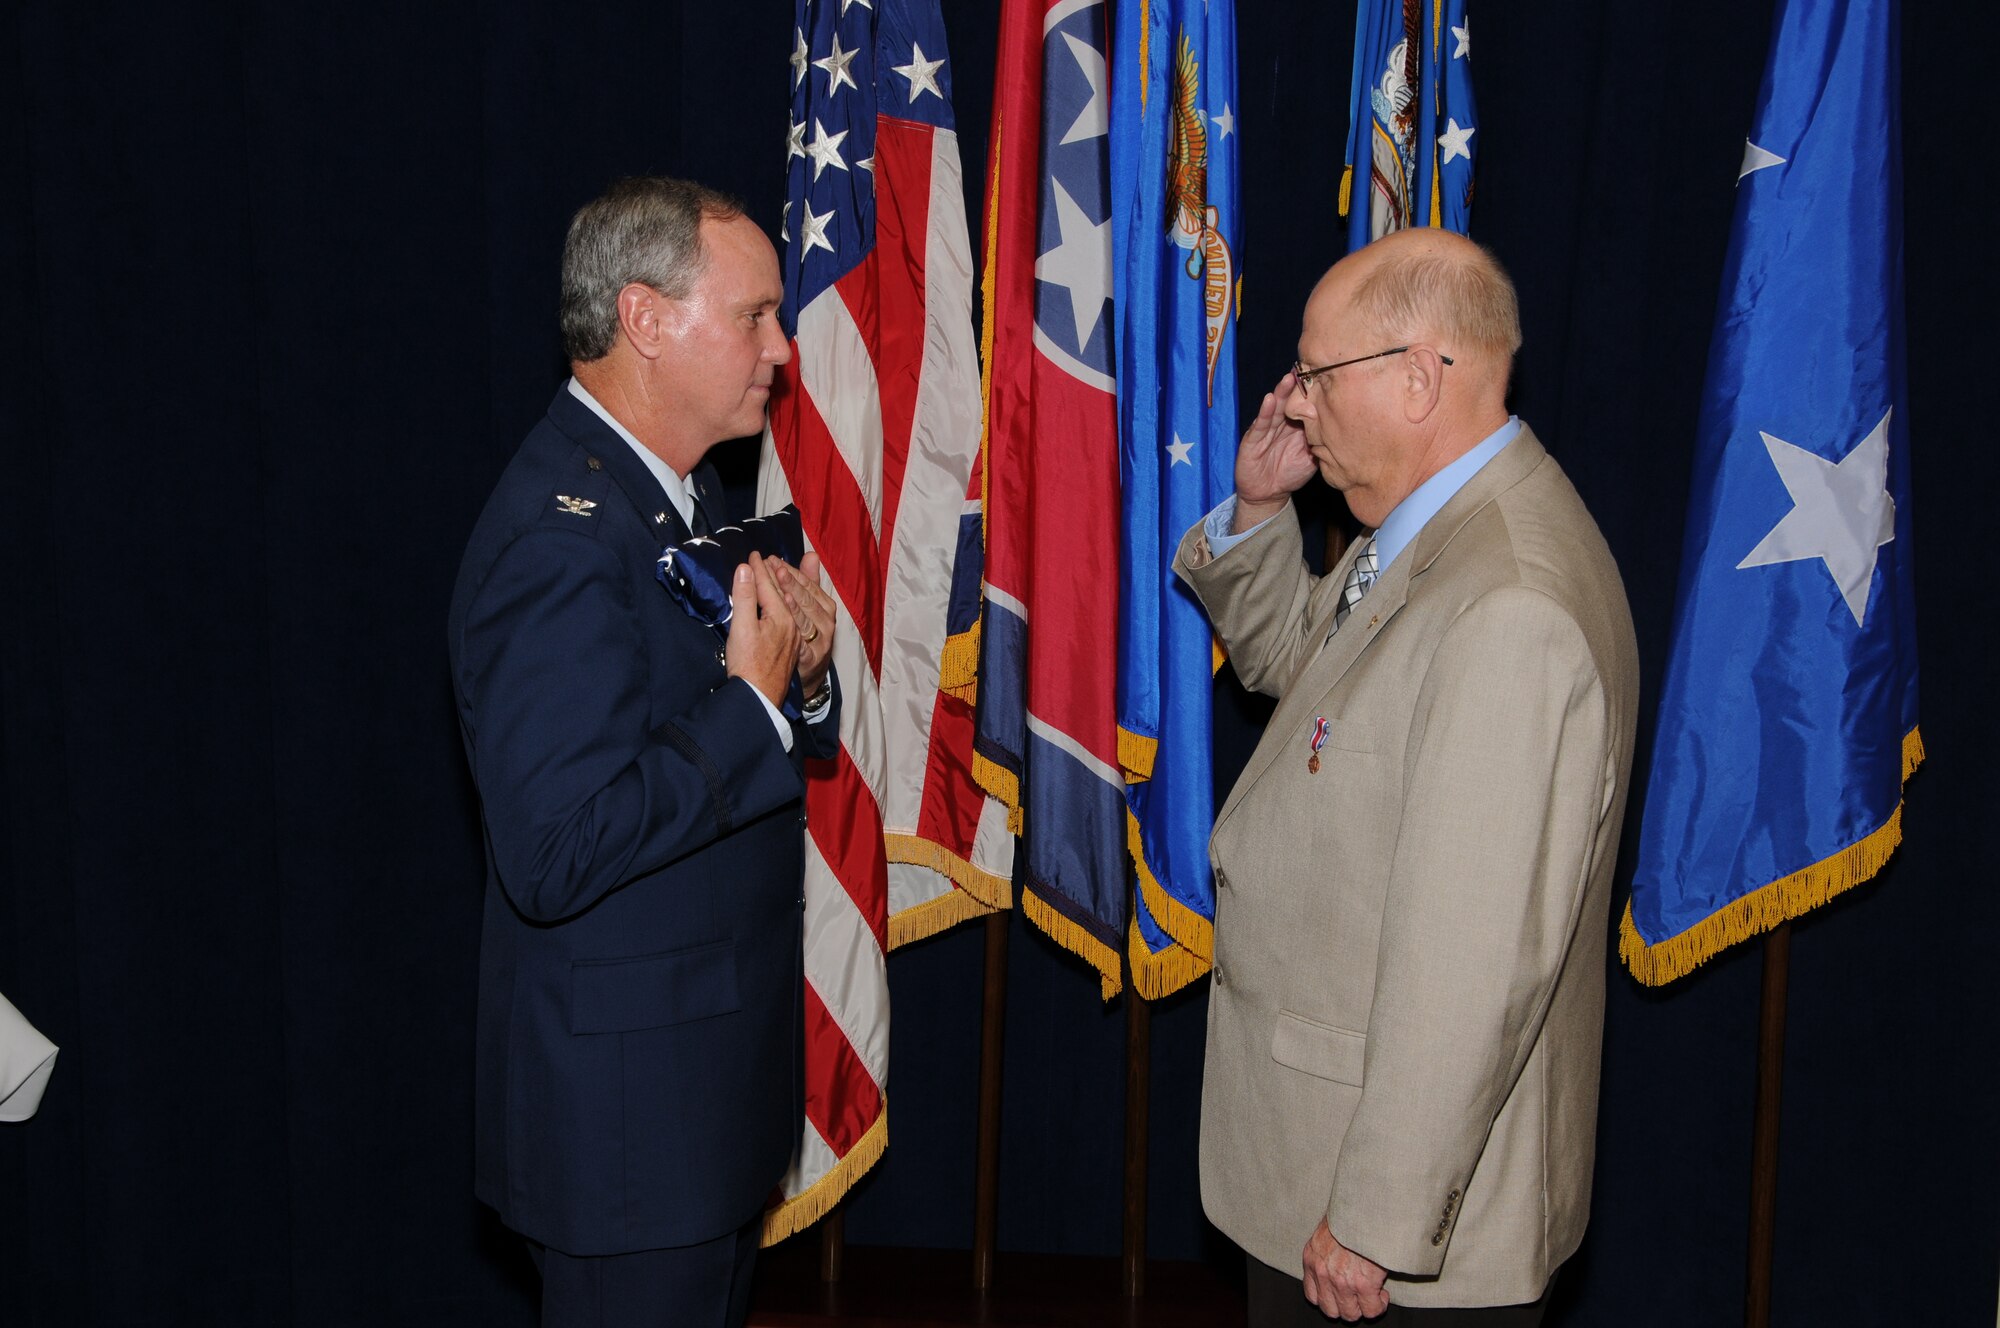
x=1414, y=512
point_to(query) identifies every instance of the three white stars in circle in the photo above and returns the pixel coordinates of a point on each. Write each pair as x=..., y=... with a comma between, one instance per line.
x=1081, y=261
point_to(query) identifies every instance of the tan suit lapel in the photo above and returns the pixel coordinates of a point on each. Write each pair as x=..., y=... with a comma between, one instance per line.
x=1327, y=666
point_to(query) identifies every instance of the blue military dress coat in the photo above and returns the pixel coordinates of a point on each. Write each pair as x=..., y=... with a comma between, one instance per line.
x=638, y=1047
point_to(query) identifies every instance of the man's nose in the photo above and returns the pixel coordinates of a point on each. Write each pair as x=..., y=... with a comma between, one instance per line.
x=777, y=346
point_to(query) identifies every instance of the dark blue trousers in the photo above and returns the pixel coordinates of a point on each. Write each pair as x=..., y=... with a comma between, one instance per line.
x=687, y=1286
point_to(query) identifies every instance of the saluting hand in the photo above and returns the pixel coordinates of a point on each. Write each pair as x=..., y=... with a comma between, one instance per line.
x=1272, y=462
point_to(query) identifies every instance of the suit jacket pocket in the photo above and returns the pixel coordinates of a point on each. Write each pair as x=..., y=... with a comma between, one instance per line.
x=1353, y=735
x=1320, y=1050
x=651, y=991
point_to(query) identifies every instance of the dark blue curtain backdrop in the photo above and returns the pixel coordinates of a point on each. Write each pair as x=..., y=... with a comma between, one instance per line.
x=279, y=293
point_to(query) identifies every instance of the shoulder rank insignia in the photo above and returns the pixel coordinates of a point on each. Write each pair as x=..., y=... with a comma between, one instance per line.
x=574, y=506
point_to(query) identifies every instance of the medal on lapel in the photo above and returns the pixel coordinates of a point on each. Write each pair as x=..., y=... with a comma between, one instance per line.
x=1318, y=740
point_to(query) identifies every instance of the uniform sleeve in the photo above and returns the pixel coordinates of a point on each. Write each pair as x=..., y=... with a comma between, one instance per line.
x=1504, y=790
x=819, y=739
x=582, y=791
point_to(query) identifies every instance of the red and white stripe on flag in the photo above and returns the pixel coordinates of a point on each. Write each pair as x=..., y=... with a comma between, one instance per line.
x=874, y=434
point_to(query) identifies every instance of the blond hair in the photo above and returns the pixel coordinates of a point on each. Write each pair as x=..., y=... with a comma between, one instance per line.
x=1464, y=299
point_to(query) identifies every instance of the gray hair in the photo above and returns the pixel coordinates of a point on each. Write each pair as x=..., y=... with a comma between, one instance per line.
x=1465, y=299
x=645, y=229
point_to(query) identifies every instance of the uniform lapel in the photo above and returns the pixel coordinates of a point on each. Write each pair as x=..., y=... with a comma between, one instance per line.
x=648, y=499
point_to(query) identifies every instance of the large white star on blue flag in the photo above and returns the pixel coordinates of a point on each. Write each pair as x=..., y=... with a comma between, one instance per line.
x=1842, y=513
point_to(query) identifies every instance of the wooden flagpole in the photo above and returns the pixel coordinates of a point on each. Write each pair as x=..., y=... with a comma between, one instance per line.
x=992, y=1026
x=1764, y=1131
x=1138, y=1083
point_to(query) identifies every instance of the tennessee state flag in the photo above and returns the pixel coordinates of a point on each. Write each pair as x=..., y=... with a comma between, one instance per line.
x=1176, y=239
x=1788, y=716
x=1047, y=740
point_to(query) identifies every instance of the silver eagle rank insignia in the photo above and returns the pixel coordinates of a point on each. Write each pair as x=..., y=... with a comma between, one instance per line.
x=574, y=506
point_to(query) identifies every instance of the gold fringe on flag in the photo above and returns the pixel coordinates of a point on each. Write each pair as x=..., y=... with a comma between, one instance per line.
x=1159, y=975
x=1346, y=188
x=958, y=665
x=796, y=1214
x=1764, y=908
x=1136, y=753
x=1064, y=931
x=1002, y=785
x=1190, y=930
x=979, y=891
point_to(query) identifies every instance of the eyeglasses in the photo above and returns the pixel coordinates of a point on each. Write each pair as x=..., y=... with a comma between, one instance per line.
x=1306, y=376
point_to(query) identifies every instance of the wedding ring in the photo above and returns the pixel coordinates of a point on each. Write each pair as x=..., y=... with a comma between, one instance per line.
x=812, y=633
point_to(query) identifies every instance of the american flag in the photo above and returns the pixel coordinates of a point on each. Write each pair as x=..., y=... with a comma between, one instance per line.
x=1048, y=725
x=874, y=433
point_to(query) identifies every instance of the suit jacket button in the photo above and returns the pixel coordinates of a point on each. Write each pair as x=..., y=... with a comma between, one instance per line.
x=593, y=463
x=1219, y=981
x=1221, y=879
x=1438, y=1239
x=722, y=657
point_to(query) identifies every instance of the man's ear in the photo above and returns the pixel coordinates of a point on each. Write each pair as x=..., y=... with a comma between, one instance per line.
x=643, y=319
x=1423, y=383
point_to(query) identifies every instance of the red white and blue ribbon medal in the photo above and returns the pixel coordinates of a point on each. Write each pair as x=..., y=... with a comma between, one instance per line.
x=1318, y=740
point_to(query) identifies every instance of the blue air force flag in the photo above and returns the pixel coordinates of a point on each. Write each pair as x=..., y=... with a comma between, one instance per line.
x=1788, y=715
x=1176, y=241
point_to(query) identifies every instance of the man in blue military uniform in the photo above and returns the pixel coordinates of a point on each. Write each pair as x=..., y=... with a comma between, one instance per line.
x=638, y=1080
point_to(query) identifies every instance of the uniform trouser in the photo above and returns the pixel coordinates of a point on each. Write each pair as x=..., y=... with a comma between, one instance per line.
x=687, y=1286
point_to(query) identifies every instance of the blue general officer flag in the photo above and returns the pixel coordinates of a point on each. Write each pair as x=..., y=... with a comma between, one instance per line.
x=1788, y=717
x=1410, y=128
x=1176, y=239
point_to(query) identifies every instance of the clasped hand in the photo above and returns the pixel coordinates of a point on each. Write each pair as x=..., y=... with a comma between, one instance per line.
x=781, y=623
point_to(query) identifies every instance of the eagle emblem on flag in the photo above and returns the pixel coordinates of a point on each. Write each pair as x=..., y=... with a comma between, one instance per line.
x=1196, y=224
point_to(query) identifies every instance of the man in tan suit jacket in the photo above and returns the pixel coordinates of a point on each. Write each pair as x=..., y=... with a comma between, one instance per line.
x=1413, y=873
